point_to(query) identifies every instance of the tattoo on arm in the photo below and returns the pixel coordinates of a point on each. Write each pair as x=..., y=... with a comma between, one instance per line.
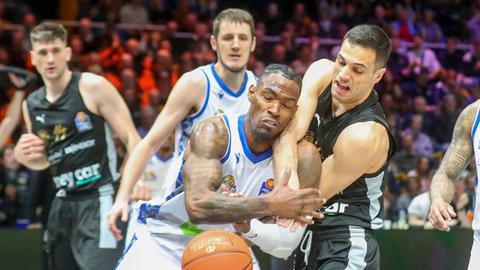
x=203, y=176
x=456, y=158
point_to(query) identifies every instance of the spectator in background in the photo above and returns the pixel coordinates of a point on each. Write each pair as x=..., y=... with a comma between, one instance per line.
x=428, y=28
x=418, y=211
x=419, y=57
x=451, y=57
x=273, y=20
x=422, y=144
x=471, y=61
x=403, y=26
x=134, y=12
x=473, y=25
x=411, y=188
x=304, y=60
x=16, y=182
x=447, y=116
x=405, y=159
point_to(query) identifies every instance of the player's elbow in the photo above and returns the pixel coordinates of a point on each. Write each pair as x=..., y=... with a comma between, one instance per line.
x=196, y=210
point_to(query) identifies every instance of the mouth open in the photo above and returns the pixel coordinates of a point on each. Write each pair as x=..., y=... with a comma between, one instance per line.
x=342, y=89
x=270, y=122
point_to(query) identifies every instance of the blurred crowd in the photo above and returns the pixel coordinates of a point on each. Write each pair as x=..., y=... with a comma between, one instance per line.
x=143, y=47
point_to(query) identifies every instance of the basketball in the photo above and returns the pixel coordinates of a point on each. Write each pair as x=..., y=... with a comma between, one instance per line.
x=217, y=250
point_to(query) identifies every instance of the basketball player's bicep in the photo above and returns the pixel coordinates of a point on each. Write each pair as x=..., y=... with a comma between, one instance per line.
x=460, y=150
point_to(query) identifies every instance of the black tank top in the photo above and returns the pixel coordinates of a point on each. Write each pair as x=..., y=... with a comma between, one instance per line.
x=79, y=143
x=361, y=203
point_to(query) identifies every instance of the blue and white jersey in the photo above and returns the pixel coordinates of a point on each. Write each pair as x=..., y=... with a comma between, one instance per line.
x=243, y=172
x=476, y=151
x=217, y=97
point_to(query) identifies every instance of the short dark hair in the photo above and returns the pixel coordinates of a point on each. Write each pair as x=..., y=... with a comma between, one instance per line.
x=371, y=37
x=235, y=15
x=48, y=32
x=286, y=71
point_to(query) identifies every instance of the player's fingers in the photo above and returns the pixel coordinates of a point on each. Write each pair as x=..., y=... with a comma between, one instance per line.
x=439, y=221
x=451, y=211
x=304, y=220
x=224, y=189
x=312, y=213
x=295, y=226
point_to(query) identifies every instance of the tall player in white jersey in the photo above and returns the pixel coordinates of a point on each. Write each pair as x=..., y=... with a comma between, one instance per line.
x=234, y=150
x=197, y=95
x=465, y=145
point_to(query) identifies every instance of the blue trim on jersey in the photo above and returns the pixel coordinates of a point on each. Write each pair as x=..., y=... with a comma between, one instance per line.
x=225, y=87
x=164, y=159
x=227, y=154
x=253, y=158
x=475, y=126
x=207, y=97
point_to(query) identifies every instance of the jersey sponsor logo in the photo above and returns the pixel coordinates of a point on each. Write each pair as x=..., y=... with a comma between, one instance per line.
x=40, y=118
x=55, y=157
x=229, y=181
x=317, y=116
x=78, y=177
x=75, y=147
x=335, y=208
x=83, y=122
x=220, y=94
x=267, y=186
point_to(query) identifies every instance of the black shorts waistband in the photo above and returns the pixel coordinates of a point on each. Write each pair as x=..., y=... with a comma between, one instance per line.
x=335, y=232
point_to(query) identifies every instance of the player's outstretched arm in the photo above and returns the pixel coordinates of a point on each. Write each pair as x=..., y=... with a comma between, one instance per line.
x=181, y=100
x=202, y=174
x=30, y=149
x=455, y=160
x=316, y=79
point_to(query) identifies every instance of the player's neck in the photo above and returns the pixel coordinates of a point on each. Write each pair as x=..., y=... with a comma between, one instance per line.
x=339, y=107
x=55, y=88
x=233, y=80
x=255, y=145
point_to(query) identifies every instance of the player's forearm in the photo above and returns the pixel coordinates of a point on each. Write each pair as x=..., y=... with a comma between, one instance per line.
x=285, y=157
x=134, y=168
x=220, y=208
x=12, y=118
x=442, y=188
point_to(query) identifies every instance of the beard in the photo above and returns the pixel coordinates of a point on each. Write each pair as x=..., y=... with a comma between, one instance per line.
x=231, y=69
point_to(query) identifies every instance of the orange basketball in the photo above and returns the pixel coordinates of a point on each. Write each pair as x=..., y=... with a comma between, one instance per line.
x=217, y=250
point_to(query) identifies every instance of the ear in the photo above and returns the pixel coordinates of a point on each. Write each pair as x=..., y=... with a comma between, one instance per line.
x=251, y=93
x=33, y=58
x=379, y=75
x=254, y=44
x=68, y=53
x=213, y=42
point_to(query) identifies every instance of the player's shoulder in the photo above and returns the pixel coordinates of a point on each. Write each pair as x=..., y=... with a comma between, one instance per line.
x=210, y=137
x=92, y=82
x=364, y=135
x=321, y=66
x=196, y=78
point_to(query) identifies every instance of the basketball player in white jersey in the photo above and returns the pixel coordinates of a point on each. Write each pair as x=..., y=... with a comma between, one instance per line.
x=234, y=150
x=196, y=96
x=154, y=178
x=465, y=145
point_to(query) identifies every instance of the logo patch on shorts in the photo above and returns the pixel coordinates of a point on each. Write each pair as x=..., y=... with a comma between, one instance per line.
x=267, y=186
x=83, y=122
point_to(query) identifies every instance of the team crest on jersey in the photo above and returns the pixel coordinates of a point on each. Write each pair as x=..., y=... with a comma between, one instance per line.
x=59, y=132
x=229, y=181
x=83, y=122
x=43, y=134
x=267, y=186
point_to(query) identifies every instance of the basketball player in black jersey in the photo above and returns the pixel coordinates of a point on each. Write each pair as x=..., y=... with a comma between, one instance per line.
x=340, y=110
x=69, y=123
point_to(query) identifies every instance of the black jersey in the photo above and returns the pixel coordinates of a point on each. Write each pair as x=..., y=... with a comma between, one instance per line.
x=361, y=203
x=78, y=143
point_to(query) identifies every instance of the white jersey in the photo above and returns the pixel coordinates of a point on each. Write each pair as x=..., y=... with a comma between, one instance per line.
x=476, y=150
x=217, y=96
x=243, y=172
x=155, y=174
